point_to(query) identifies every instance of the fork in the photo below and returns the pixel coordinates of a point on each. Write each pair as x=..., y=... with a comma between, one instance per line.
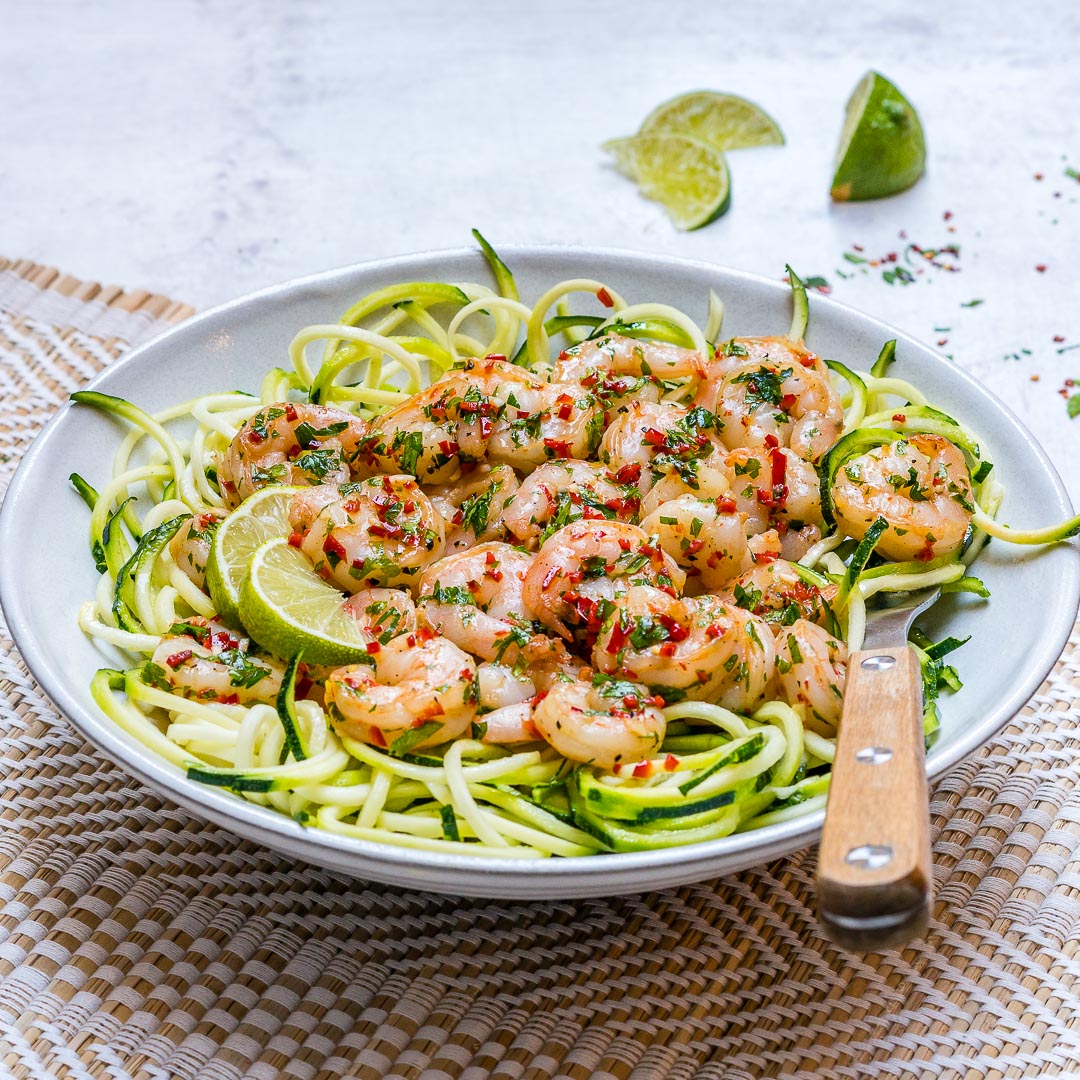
x=874, y=874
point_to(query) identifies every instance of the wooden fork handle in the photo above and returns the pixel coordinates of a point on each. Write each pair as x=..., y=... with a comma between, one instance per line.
x=874, y=874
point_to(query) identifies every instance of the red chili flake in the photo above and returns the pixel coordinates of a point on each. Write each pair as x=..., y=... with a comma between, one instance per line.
x=549, y=577
x=624, y=543
x=333, y=546
x=448, y=448
x=947, y=215
x=228, y=699
x=631, y=701
x=373, y=647
x=559, y=447
x=763, y=557
x=1034, y=378
x=654, y=437
x=694, y=547
x=468, y=466
x=1038, y=176
x=486, y=427
x=295, y=539
x=425, y=633
x=178, y=658
x=605, y=298
x=667, y=649
x=254, y=438
x=675, y=630
x=671, y=762
x=943, y=341
x=725, y=504
x=787, y=401
x=290, y=413
x=411, y=641
x=618, y=638
x=1059, y=338
x=643, y=770
x=1041, y=268
x=378, y=738
x=495, y=356
x=229, y=486
x=772, y=442
x=628, y=474
x=779, y=467
x=926, y=553
x=899, y=418
x=857, y=247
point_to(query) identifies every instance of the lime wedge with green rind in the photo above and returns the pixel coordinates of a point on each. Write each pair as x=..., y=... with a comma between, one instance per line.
x=882, y=147
x=724, y=121
x=261, y=517
x=285, y=607
x=687, y=176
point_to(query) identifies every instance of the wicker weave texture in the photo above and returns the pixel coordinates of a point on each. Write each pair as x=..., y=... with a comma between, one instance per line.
x=137, y=941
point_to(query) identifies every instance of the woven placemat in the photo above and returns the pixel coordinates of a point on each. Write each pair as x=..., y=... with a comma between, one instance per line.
x=138, y=941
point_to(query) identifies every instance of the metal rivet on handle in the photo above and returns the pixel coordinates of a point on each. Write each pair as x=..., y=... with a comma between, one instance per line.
x=873, y=755
x=869, y=856
x=878, y=663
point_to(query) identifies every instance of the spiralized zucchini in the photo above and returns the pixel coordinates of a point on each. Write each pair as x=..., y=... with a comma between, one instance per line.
x=716, y=771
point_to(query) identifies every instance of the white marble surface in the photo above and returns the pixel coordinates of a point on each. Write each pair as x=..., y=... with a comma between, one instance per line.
x=204, y=149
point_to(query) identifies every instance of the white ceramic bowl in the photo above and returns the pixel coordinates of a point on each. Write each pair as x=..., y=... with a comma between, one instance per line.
x=46, y=571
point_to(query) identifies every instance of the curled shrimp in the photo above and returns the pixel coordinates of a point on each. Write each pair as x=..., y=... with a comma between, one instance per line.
x=812, y=667
x=920, y=485
x=663, y=440
x=505, y=712
x=377, y=532
x=475, y=506
x=582, y=567
x=287, y=443
x=413, y=681
x=777, y=489
x=622, y=355
x=779, y=396
x=445, y=429
x=208, y=662
x=778, y=593
x=190, y=546
x=695, y=647
x=601, y=725
x=475, y=598
x=562, y=492
x=707, y=542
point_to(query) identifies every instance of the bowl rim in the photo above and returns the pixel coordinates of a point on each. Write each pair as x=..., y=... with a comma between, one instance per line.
x=251, y=820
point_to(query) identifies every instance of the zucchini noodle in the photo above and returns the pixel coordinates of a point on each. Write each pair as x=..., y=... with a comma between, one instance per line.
x=713, y=771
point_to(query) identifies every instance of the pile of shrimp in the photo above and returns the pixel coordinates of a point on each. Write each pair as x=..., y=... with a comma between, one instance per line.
x=558, y=559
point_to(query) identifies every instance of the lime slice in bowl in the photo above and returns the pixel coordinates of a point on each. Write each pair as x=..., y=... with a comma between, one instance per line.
x=285, y=606
x=261, y=517
x=882, y=147
x=724, y=121
x=687, y=176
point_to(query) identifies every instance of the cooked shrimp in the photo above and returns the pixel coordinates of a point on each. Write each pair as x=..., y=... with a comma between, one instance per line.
x=475, y=598
x=382, y=613
x=710, y=481
x=446, y=429
x=475, y=507
x=581, y=568
x=565, y=420
x=740, y=351
x=505, y=713
x=662, y=439
x=377, y=532
x=700, y=648
x=920, y=485
x=777, y=592
x=708, y=543
x=627, y=356
x=413, y=681
x=287, y=443
x=190, y=546
x=600, y=725
x=777, y=489
x=565, y=491
x=775, y=400
x=812, y=667
x=210, y=663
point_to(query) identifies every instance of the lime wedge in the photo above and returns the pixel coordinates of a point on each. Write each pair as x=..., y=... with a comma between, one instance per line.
x=724, y=121
x=688, y=177
x=882, y=147
x=259, y=518
x=285, y=606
